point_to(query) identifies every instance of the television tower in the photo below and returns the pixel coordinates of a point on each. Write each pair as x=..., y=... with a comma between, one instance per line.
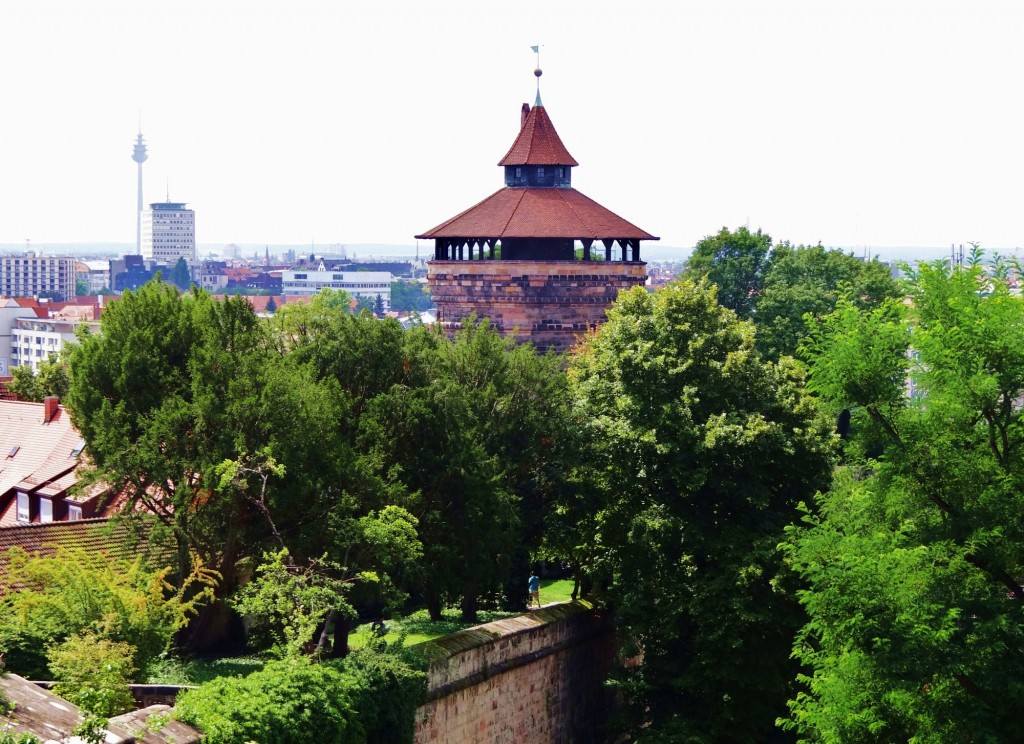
x=139, y=156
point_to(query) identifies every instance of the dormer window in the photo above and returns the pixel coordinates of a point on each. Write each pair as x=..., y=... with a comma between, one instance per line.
x=23, y=512
x=540, y=171
x=519, y=173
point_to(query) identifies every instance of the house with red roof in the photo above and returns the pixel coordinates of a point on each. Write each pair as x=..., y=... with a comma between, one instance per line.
x=40, y=451
x=528, y=257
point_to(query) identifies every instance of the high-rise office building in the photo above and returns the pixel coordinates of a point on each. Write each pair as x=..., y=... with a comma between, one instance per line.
x=169, y=233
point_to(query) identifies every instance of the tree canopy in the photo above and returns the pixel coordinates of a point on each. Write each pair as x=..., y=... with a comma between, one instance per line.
x=734, y=262
x=810, y=279
x=698, y=454
x=913, y=560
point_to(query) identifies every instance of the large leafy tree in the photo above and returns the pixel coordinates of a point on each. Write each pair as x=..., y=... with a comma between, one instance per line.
x=234, y=437
x=735, y=262
x=477, y=442
x=162, y=396
x=698, y=454
x=914, y=559
x=810, y=279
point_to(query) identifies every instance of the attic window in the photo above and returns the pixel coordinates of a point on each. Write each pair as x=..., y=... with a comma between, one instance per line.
x=79, y=446
x=14, y=451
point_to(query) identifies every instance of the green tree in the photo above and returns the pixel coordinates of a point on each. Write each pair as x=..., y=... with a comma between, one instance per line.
x=169, y=389
x=410, y=296
x=81, y=286
x=698, y=455
x=271, y=306
x=809, y=279
x=914, y=559
x=735, y=262
x=52, y=379
x=477, y=443
x=179, y=275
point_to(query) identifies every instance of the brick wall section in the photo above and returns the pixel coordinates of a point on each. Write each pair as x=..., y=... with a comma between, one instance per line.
x=550, y=302
x=536, y=678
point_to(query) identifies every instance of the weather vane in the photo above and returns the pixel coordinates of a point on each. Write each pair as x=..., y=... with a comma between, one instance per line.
x=538, y=72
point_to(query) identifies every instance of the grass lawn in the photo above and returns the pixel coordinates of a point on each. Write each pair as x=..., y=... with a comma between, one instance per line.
x=555, y=590
x=417, y=628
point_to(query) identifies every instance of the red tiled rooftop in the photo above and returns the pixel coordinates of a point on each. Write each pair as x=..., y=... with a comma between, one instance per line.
x=44, y=538
x=45, y=450
x=117, y=539
x=537, y=213
x=538, y=143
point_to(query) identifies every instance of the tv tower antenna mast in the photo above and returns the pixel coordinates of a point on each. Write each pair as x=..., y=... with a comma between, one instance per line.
x=139, y=156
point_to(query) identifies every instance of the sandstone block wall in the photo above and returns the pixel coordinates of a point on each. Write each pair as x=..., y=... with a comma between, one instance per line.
x=551, y=303
x=536, y=678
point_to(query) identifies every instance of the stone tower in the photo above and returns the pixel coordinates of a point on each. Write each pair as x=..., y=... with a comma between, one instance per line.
x=536, y=257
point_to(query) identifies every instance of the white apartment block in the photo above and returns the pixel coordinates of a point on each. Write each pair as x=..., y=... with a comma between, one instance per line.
x=358, y=284
x=36, y=339
x=38, y=276
x=169, y=233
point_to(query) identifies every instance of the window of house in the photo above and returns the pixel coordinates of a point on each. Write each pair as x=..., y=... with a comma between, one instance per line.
x=45, y=510
x=23, y=513
x=519, y=172
x=540, y=171
x=74, y=511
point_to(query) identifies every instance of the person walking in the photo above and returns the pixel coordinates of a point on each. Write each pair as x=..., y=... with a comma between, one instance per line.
x=533, y=584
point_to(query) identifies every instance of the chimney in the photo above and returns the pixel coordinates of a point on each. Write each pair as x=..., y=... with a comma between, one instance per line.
x=51, y=403
x=526, y=112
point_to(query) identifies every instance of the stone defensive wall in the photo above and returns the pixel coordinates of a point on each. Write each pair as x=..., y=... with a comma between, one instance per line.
x=551, y=303
x=534, y=678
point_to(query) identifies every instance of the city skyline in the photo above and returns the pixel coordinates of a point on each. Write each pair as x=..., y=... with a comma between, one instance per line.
x=850, y=123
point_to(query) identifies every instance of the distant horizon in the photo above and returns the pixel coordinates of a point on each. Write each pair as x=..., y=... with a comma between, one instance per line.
x=408, y=250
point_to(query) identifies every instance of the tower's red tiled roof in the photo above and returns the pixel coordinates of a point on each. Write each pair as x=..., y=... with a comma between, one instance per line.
x=538, y=143
x=537, y=213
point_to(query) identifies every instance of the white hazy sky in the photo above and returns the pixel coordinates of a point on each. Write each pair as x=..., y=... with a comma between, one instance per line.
x=852, y=122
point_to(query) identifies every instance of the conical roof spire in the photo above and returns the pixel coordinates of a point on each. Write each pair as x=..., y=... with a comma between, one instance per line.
x=538, y=143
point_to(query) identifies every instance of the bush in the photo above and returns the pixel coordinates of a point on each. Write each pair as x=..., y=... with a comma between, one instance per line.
x=288, y=701
x=369, y=698
x=49, y=599
x=93, y=673
x=392, y=686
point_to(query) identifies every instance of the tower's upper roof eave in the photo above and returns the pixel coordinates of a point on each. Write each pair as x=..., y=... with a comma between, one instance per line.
x=523, y=212
x=538, y=143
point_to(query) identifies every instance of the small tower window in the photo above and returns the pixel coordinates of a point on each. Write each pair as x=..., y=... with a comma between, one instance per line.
x=519, y=173
x=540, y=171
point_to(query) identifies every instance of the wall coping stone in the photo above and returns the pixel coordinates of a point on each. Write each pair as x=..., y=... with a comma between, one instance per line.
x=502, y=645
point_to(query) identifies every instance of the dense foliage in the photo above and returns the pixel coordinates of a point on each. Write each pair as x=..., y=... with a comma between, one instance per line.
x=369, y=698
x=93, y=673
x=410, y=296
x=735, y=263
x=914, y=560
x=51, y=379
x=807, y=281
x=46, y=600
x=698, y=455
